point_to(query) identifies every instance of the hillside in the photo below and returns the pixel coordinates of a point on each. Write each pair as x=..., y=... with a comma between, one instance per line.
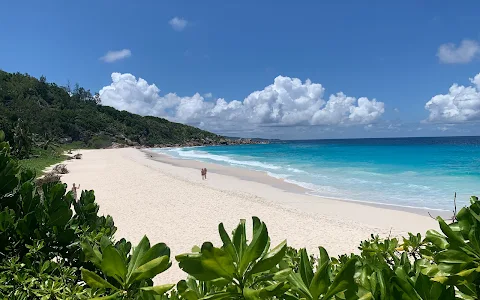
x=62, y=114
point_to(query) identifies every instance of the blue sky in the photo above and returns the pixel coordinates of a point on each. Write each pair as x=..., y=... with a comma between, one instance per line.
x=378, y=49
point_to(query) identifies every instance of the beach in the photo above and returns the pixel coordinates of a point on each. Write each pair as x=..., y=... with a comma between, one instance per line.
x=167, y=200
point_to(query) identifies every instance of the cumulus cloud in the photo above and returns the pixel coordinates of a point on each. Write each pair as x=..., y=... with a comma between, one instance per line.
x=178, y=24
x=464, y=53
x=208, y=95
x=112, y=56
x=461, y=104
x=286, y=102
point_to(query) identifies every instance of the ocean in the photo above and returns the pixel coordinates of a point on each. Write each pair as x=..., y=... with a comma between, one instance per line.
x=406, y=172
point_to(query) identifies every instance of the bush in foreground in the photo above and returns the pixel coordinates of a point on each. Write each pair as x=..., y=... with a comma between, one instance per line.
x=53, y=247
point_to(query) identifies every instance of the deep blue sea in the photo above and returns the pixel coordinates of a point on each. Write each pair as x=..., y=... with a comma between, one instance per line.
x=410, y=172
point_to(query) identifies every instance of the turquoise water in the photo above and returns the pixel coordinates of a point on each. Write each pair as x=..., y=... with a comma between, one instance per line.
x=410, y=172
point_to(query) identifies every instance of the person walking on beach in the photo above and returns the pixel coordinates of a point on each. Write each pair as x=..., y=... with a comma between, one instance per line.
x=74, y=190
x=203, y=173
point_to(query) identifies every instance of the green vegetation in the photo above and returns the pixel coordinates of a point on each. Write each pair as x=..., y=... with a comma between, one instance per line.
x=41, y=159
x=53, y=246
x=36, y=113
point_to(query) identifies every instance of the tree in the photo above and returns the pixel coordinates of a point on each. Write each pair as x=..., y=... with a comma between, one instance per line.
x=22, y=140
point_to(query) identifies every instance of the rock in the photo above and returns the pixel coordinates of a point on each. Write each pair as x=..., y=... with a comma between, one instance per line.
x=65, y=140
x=211, y=142
x=60, y=169
x=48, y=178
x=77, y=156
x=117, y=145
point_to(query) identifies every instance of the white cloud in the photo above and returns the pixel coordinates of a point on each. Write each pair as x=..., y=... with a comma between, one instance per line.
x=178, y=24
x=465, y=53
x=286, y=102
x=112, y=56
x=461, y=104
x=208, y=95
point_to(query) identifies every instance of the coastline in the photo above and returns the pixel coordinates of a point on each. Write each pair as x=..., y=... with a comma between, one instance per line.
x=280, y=183
x=166, y=199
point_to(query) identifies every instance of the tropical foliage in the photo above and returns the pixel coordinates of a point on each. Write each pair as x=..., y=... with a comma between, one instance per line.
x=29, y=106
x=55, y=247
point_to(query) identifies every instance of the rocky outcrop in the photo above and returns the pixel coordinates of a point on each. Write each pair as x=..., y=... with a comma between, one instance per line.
x=211, y=142
x=50, y=177
x=60, y=169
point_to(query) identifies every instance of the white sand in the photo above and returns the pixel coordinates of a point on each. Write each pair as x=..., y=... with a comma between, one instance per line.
x=172, y=204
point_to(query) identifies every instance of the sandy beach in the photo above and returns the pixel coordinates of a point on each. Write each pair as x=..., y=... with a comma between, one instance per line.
x=166, y=199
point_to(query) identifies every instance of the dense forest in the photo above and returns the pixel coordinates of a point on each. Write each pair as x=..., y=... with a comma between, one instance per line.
x=51, y=112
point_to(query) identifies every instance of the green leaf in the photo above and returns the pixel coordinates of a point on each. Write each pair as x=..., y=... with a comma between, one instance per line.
x=158, y=250
x=158, y=289
x=305, y=268
x=240, y=239
x=217, y=260
x=150, y=269
x=265, y=293
x=95, y=281
x=227, y=242
x=113, y=264
x=282, y=275
x=185, y=291
x=110, y=297
x=138, y=252
x=8, y=174
x=321, y=279
x=221, y=295
x=271, y=259
x=405, y=284
x=451, y=235
x=220, y=282
x=29, y=198
x=367, y=296
x=257, y=246
x=60, y=217
x=363, y=279
x=381, y=284
x=91, y=255
x=6, y=219
x=105, y=242
x=191, y=263
x=299, y=286
x=343, y=280
x=453, y=257
x=437, y=239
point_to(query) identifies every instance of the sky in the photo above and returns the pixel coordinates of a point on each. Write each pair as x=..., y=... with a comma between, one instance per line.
x=273, y=69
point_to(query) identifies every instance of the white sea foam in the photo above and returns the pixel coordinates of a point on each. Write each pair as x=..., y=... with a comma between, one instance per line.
x=314, y=187
x=278, y=176
x=294, y=170
x=194, y=154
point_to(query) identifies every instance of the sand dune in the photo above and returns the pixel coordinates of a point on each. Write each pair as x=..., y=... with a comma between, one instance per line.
x=167, y=200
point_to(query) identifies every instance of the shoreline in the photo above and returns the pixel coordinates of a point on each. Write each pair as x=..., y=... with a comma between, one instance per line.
x=170, y=203
x=280, y=183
